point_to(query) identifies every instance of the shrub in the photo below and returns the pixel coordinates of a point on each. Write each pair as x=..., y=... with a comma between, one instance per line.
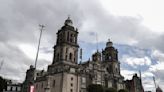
x=110, y=90
x=122, y=90
x=95, y=88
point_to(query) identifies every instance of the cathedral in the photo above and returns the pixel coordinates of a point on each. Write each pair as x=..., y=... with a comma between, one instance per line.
x=66, y=74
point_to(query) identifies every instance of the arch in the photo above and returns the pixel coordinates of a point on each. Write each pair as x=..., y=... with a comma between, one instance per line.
x=68, y=36
x=58, y=56
x=116, y=70
x=66, y=50
x=70, y=56
x=71, y=38
x=65, y=57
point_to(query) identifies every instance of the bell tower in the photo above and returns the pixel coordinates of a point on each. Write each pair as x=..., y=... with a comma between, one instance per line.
x=110, y=56
x=66, y=48
x=63, y=70
x=110, y=53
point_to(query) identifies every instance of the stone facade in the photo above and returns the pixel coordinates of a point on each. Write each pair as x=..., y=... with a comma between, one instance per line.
x=31, y=75
x=13, y=86
x=134, y=85
x=62, y=74
x=65, y=74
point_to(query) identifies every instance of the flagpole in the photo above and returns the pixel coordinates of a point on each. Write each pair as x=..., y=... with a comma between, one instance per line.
x=41, y=29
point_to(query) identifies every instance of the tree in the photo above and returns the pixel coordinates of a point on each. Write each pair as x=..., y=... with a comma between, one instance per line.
x=3, y=84
x=95, y=88
x=110, y=90
x=122, y=90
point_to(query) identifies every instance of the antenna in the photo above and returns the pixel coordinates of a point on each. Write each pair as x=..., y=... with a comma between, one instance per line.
x=41, y=29
x=140, y=76
x=69, y=16
x=97, y=42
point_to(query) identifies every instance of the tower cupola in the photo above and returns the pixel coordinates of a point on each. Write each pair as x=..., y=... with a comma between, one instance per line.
x=68, y=22
x=110, y=53
x=109, y=43
x=96, y=56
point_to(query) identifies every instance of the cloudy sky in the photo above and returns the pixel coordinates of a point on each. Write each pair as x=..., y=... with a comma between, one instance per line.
x=135, y=26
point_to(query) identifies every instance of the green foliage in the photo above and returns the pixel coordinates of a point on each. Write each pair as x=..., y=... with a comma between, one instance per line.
x=110, y=90
x=122, y=90
x=95, y=88
x=100, y=88
x=3, y=84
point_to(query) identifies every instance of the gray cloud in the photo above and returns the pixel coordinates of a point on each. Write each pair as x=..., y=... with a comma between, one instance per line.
x=19, y=22
x=15, y=61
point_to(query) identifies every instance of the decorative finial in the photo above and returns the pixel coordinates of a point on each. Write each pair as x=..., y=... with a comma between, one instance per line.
x=68, y=21
x=109, y=40
x=69, y=17
x=109, y=43
x=97, y=50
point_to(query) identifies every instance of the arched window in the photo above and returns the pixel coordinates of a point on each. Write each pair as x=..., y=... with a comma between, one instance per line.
x=116, y=70
x=74, y=38
x=66, y=50
x=68, y=36
x=71, y=38
x=70, y=56
x=66, y=57
x=58, y=56
x=74, y=59
x=54, y=82
x=61, y=35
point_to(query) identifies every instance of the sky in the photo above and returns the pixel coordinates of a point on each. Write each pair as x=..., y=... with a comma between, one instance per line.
x=135, y=27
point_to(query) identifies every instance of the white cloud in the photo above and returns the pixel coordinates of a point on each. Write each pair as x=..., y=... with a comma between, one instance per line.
x=158, y=55
x=148, y=10
x=127, y=73
x=148, y=84
x=147, y=74
x=156, y=67
x=135, y=61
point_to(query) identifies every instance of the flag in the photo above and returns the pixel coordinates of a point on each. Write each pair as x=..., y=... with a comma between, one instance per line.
x=81, y=53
